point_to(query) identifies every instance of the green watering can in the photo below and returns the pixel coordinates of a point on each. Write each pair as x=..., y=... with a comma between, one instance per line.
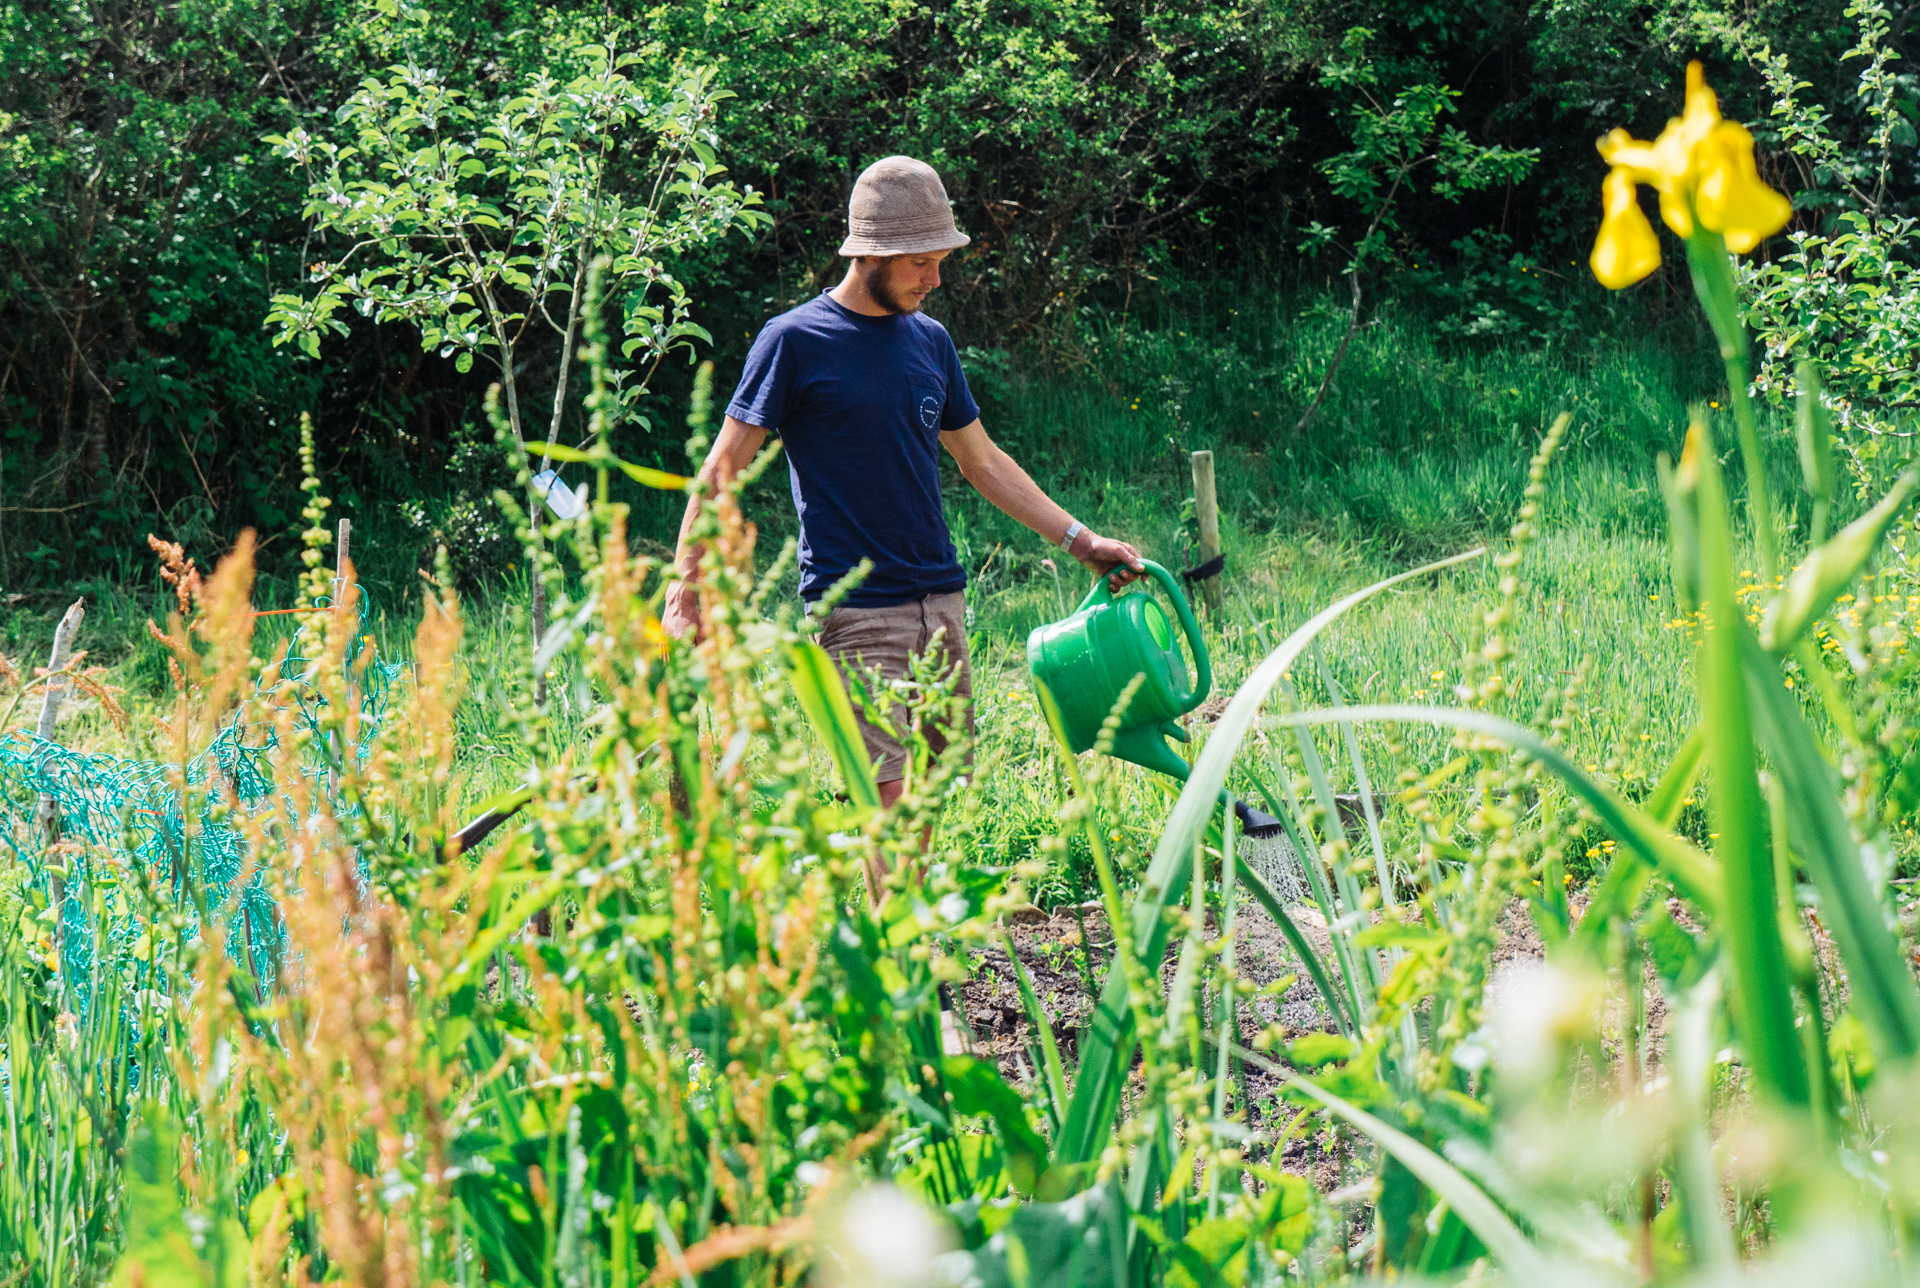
x=1087, y=660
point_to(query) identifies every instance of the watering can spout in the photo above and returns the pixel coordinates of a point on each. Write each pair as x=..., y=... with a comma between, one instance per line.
x=1148, y=749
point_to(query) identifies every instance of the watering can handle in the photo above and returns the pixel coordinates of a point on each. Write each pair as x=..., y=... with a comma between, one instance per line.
x=1203, y=669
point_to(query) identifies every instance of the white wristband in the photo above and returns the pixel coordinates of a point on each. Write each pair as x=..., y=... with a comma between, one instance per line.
x=1074, y=529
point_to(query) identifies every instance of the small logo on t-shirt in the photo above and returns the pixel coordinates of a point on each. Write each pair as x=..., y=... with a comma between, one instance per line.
x=929, y=411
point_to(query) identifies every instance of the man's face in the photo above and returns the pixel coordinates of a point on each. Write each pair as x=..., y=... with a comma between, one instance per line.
x=900, y=283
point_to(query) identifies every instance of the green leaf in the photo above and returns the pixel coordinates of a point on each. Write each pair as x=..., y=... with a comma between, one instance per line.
x=1412, y=936
x=1196, y=1266
x=1285, y=1210
x=161, y=1248
x=1831, y=569
x=1813, y=430
x=816, y=682
x=1848, y=1047
x=1750, y=914
x=1351, y=1082
x=1081, y=1241
x=1316, y=1049
x=1879, y=982
x=644, y=475
x=1678, y=956
x=976, y=1088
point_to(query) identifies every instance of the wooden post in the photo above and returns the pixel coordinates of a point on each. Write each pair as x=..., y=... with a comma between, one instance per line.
x=46, y=811
x=340, y=563
x=343, y=538
x=1206, y=509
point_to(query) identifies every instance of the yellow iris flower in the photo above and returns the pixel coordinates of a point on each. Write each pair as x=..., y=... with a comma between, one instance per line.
x=1627, y=248
x=1702, y=167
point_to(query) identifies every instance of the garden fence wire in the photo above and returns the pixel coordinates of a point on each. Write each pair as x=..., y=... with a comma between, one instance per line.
x=116, y=811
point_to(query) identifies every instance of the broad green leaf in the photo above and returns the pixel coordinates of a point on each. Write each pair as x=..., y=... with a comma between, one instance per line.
x=1830, y=569
x=162, y=1250
x=816, y=682
x=1879, y=981
x=1285, y=1210
x=1316, y=1049
x=644, y=475
x=976, y=1088
x=1412, y=936
x=1190, y=1266
x=1081, y=1241
x=1750, y=912
x=1813, y=431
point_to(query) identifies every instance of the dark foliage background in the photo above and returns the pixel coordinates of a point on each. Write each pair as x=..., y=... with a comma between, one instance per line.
x=1111, y=156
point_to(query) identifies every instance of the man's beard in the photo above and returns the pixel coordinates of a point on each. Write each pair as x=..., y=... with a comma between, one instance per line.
x=880, y=287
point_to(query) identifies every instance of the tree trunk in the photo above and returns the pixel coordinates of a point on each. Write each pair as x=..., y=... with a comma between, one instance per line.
x=46, y=811
x=553, y=435
x=1339, y=356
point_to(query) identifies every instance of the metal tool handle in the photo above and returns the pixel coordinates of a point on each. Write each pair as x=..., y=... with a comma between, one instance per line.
x=1102, y=593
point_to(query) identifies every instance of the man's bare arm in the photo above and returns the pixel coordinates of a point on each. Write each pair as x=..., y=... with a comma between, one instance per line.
x=999, y=478
x=731, y=452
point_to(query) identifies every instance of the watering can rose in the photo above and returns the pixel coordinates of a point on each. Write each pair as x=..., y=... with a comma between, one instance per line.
x=1703, y=169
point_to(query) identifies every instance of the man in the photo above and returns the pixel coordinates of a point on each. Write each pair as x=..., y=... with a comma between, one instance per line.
x=861, y=386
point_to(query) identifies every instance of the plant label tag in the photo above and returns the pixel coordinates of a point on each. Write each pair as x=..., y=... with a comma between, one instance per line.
x=560, y=498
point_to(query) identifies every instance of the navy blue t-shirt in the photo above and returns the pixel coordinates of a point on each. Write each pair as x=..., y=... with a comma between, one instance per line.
x=860, y=403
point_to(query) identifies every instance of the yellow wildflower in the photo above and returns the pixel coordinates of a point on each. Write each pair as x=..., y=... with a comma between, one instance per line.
x=655, y=634
x=1702, y=167
x=1732, y=199
x=1627, y=248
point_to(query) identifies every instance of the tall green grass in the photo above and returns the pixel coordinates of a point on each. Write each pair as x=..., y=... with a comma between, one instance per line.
x=1419, y=451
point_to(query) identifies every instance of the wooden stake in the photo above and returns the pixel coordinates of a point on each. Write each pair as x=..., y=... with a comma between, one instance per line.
x=46, y=811
x=1206, y=509
x=343, y=538
x=340, y=563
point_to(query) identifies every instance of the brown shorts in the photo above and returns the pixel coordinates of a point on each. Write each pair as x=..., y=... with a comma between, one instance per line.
x=863, y=641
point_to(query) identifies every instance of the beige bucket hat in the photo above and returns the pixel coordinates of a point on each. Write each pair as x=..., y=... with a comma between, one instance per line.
x=899, y=207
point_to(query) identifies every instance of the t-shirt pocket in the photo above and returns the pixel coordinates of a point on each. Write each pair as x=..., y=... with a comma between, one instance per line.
x=929, y=403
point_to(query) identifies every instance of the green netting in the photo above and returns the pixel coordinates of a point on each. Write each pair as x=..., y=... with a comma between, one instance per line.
x=123, y=813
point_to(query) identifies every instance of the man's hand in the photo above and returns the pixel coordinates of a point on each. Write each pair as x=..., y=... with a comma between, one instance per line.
x=1099, y=554
x=731, y=452
x=680, y=617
